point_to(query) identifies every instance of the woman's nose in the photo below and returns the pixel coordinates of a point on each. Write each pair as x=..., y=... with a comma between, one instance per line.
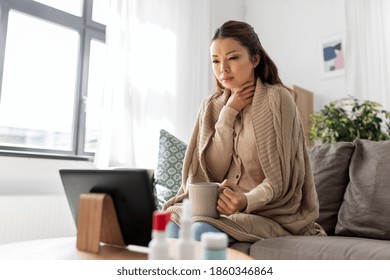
x=224, y=66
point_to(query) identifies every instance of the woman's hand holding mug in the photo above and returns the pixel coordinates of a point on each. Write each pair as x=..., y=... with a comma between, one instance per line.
x=231, y=198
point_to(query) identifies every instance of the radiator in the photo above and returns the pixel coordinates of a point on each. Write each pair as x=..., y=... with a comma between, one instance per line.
x=34, y=217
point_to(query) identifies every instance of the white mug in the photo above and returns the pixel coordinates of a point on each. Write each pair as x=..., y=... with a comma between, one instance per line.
x=204, y=197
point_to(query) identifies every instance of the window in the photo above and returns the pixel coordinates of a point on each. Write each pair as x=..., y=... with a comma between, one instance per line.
x=51, y=75
x=39, y=83
x=70, y=6
x=95, y=94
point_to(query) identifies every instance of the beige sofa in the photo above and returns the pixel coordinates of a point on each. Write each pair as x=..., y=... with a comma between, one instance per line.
x=353, y=186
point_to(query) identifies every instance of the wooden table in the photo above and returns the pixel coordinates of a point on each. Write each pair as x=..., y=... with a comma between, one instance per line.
x=65, y=249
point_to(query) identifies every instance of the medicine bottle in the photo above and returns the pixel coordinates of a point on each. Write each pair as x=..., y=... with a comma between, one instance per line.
x=186, y=243
x=158, y=246
x=214, y=245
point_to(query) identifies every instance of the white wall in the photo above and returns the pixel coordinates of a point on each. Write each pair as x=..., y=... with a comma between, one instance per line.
x=34, y=176
x=32, y=199
x=291, y=32
x=224, y=10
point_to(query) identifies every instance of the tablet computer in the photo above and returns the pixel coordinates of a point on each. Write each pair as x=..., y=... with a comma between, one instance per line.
x=131, y=191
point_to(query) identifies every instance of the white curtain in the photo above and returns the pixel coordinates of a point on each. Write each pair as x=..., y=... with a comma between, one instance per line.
x=158, y=73
x=368, y=50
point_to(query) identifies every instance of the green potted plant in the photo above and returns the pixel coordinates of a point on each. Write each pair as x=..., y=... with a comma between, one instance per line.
x=348, y=119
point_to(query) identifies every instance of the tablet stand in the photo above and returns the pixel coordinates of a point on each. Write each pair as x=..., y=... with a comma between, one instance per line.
x=97, y=222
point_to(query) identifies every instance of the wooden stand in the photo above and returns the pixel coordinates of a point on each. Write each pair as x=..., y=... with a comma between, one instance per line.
x=97, y=222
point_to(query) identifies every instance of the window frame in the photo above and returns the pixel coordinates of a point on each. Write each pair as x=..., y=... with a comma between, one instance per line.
x=88, y=30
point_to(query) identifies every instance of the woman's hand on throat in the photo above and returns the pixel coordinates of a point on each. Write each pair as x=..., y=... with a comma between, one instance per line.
x=242, y=96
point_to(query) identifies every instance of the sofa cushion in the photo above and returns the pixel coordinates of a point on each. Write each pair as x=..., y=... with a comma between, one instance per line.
x=330, y=163
x=243, y=247
x=169, y=167
x=365, y=210
x=320, y=248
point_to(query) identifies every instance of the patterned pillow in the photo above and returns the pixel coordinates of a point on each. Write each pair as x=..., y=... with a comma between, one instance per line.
x=169, y=167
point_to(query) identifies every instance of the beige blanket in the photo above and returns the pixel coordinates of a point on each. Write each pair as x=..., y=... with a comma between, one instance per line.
x=282, y=153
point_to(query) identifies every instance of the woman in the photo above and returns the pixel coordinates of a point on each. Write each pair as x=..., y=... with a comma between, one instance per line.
x=249, y=136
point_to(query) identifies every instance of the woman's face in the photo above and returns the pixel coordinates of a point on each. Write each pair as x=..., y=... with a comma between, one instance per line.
x=232, y=65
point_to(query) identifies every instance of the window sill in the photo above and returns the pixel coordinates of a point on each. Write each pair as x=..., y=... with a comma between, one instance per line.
x=43, y=155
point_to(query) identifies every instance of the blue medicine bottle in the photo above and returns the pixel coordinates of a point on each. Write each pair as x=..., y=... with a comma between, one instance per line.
x=214, y=245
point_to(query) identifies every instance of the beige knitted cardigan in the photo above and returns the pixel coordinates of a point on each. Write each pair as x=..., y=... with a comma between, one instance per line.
x=283, y=156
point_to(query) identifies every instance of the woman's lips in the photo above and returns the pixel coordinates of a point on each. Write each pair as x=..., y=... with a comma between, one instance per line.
x=227, y=79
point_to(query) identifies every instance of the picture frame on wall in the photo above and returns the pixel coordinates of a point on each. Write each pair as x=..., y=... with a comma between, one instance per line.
x=332, y=56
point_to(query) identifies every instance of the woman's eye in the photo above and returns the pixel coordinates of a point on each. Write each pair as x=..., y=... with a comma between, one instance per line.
x=233, y=58
x=215, y=61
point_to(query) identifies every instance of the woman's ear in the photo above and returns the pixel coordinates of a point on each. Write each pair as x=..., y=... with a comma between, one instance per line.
x=255, y=60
